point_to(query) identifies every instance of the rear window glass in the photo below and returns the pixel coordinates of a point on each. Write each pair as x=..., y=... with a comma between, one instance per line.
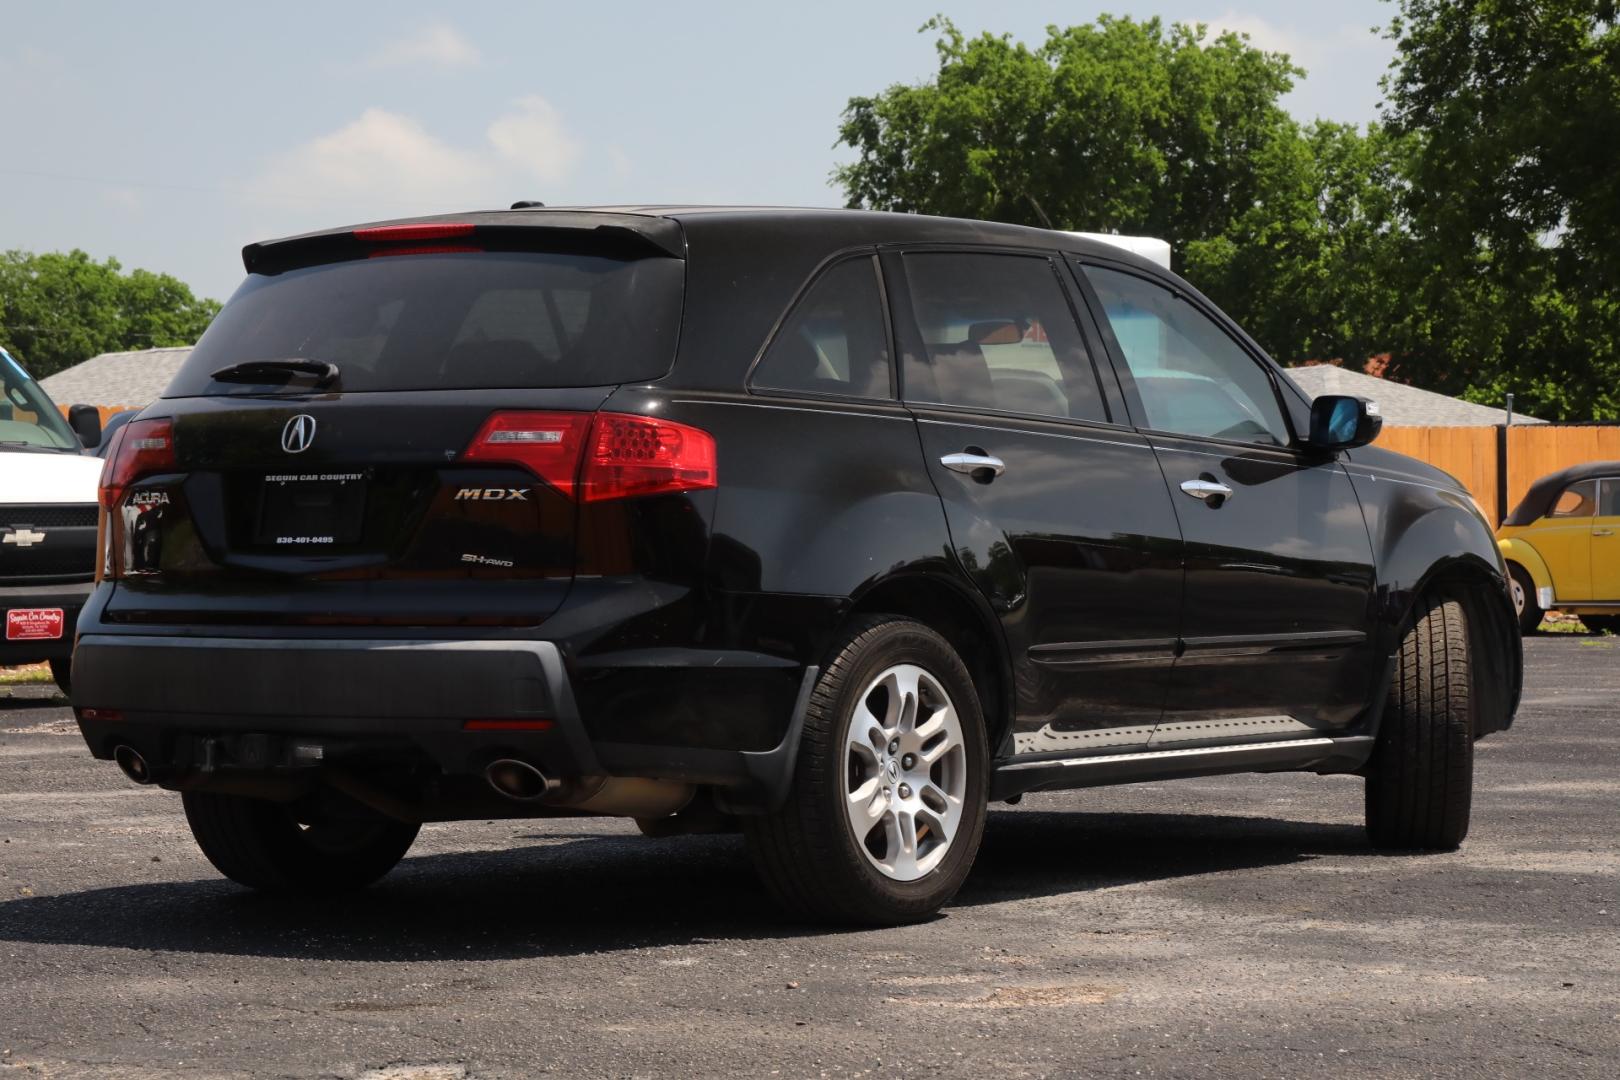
x=451, y=321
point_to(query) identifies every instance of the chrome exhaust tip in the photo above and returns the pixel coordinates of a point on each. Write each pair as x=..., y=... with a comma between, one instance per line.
x=133, y=765
x=519, y=780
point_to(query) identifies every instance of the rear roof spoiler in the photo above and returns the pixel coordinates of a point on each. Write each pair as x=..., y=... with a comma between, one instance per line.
x=502, y=229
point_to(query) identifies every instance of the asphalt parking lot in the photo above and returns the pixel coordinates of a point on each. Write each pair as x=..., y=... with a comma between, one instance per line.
x=1229, y=926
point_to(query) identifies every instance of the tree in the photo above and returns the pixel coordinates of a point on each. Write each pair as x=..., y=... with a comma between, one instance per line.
x=1513, y=194
x=59, y=309
x=1134, y=127
x=1117, y=125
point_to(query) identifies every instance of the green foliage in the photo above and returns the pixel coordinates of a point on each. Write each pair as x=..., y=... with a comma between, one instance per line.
x=59, y=309
x=1117, y=125
x=1474, y=236
x=1514, y=193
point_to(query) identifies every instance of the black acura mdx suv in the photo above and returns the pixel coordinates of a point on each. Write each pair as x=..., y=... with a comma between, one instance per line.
x=827, y=525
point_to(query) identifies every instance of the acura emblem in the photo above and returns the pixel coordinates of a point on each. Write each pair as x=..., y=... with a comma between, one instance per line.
x=298, y=434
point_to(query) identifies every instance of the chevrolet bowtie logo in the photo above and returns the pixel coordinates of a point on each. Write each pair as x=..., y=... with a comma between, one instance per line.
x=23, y=538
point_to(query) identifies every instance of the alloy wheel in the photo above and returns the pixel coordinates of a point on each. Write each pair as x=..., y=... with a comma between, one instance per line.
x=905, y=772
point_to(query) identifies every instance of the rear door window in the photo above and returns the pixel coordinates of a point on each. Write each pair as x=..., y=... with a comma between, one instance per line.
x=835, y=340
x=452, y=321
x=999, y=334
x=1577, y=501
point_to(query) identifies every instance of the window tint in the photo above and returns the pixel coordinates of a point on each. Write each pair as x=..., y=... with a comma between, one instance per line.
x=835, y=341
x=452, y=321
x=999, y=334
x=1611, y=498
x=1192, y=378
x=1577, y=501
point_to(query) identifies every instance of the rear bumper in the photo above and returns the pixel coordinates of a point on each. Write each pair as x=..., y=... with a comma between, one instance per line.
x=255, y=704
x=70, y=599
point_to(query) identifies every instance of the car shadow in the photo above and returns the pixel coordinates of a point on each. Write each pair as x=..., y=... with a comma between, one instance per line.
x=22, y=703
x=607, y=893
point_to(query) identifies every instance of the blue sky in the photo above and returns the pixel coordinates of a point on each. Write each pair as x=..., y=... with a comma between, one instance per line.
x=169, y=135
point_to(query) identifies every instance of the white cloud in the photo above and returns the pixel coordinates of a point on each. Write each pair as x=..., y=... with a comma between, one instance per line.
x=1262, y=34
x=385, y=162
x=383, y=155
x=1343, y=62
x=438, y=45
x=533, y=138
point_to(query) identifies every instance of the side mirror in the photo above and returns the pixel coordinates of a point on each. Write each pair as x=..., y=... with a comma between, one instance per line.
x=85, y=420
x=1340, y=422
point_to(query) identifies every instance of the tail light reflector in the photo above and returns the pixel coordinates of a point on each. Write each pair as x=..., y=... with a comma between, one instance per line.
x=548, y=444
x=142, y=447
x=592, y=457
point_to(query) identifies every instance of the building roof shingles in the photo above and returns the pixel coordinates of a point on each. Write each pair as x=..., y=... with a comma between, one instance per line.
x=117, y=378
x=1401, y=405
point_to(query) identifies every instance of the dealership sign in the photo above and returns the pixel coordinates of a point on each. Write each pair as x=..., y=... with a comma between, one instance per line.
x=34, y=624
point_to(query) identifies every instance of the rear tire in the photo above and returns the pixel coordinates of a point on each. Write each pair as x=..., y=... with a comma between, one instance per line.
x=1602, y=624
x=1420, y=780
x=262, y=845
x=1525, y=607
x=62, y=672
x=910, y=777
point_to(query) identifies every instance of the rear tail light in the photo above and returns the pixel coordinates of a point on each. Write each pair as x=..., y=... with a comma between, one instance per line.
x=592, y=457
x=643, y=455
x=141, y=448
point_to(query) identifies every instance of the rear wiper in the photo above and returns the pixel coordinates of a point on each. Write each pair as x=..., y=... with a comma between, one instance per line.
x=250, y=371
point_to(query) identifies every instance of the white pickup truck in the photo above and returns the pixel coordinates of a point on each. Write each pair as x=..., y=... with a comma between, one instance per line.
x=48, y=482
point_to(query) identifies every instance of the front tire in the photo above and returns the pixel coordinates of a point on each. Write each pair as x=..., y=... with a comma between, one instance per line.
x=887, y=806
x=1525, y=607
x=1420, y=781
x=262, y=845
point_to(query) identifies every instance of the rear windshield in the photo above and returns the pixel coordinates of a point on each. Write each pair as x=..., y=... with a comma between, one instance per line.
x=451, y=321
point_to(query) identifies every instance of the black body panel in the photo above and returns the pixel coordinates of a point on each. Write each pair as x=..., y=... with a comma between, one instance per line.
x=1093, y=601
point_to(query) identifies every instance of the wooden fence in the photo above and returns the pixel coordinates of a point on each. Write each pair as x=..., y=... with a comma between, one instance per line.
x=1475, y=455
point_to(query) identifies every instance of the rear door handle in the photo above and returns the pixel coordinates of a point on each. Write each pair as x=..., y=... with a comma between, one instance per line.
x=1602, y=532
x=1205, y=489
x=967, y=462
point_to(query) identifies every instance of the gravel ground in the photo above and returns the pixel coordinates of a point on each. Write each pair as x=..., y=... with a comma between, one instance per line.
x=1229, y=926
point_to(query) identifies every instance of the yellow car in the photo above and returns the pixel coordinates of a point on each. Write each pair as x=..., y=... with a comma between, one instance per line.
x=1562, y=547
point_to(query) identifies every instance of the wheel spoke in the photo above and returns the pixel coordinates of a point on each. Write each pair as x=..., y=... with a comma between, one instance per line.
x=906, y=693
x=866, y=804
x=937, y=799
x=903, y=844
x=938, y=839
x=866, y=730
x=933, y=751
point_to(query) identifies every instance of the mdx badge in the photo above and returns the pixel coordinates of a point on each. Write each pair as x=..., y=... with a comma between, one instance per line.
x=493, y=495
x=298, y=434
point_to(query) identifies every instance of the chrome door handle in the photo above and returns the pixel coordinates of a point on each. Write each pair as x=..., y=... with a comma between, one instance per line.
x=1205, y=489
x=965, y=462
x=1602, y=532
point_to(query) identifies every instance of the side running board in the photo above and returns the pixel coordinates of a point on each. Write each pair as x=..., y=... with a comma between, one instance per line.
x=1323, y=755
